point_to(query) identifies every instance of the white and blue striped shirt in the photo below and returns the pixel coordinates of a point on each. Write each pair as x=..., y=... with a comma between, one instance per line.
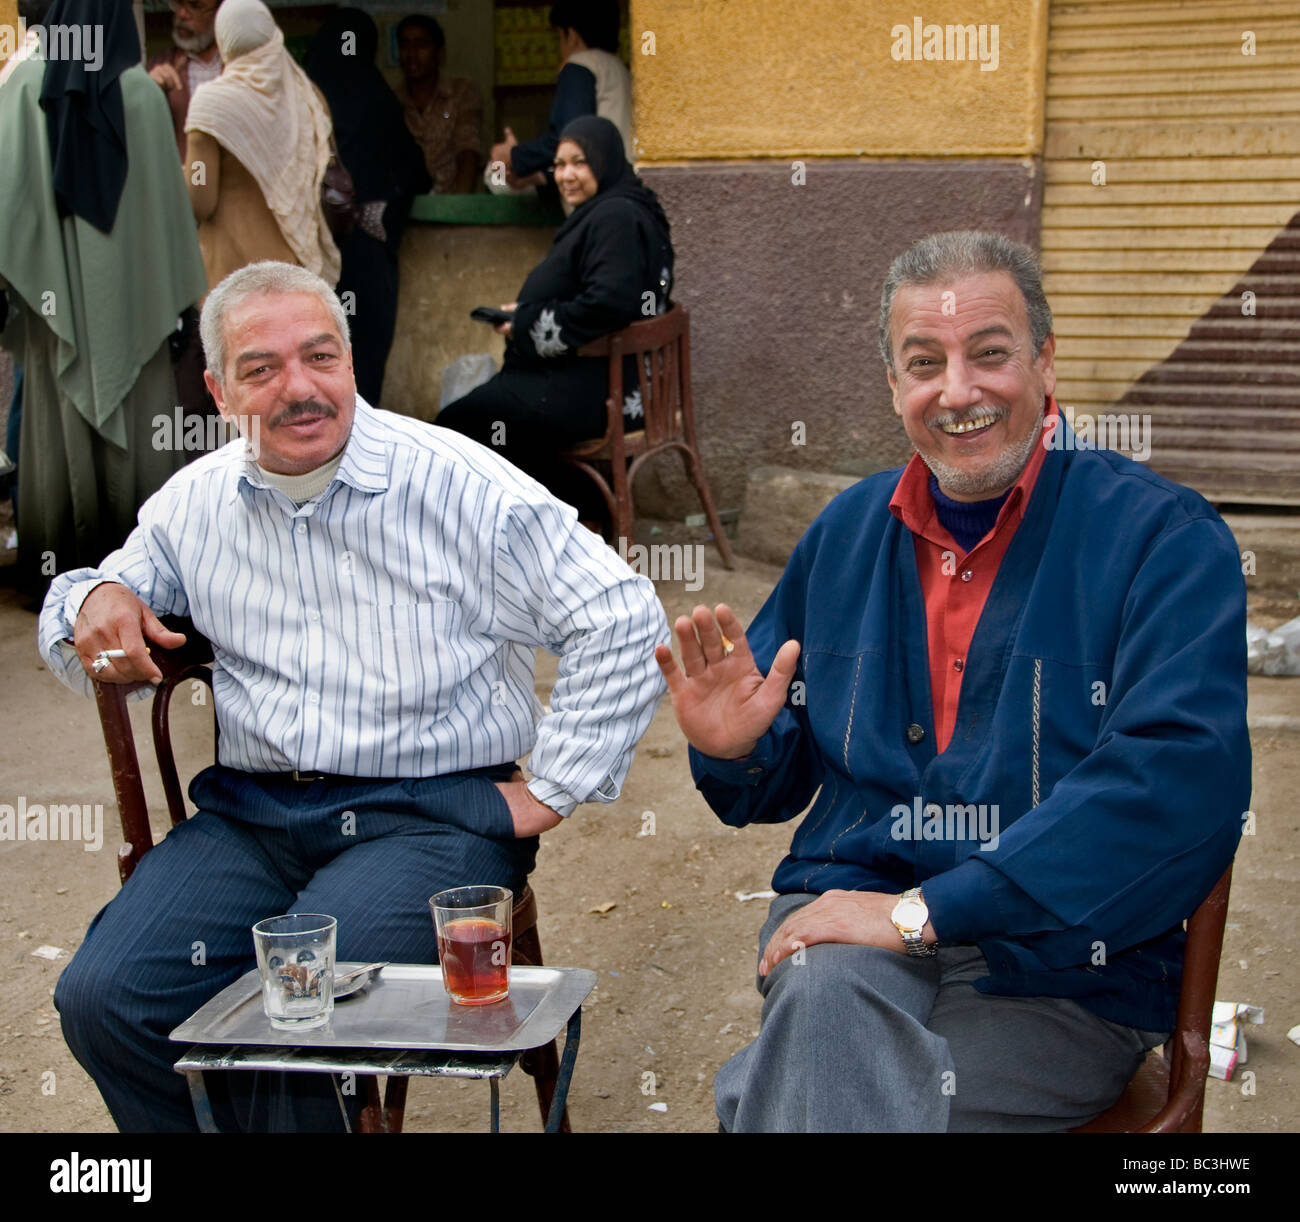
x=386, y=628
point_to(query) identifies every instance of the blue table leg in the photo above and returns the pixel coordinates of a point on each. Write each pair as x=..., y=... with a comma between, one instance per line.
x=567, y=1059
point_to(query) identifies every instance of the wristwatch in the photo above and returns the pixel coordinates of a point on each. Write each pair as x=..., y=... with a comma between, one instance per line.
x=909, y=916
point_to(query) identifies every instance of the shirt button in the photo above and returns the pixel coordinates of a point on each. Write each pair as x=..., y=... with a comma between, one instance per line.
x=915, y=733
x=967, y=575
x=753, y=771
x=958, y=664
x=302, y=528
x=313, y=616
x=313, y=698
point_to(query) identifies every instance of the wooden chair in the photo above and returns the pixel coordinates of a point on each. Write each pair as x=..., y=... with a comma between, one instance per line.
x=662, y=347
x=1167, y=1093
x=193, y=662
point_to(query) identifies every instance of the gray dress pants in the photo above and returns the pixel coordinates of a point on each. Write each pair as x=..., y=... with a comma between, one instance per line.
x=860, y=1039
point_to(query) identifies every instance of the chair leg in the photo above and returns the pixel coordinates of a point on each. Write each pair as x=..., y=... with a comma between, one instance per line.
x=372, y=1114
x=624, y=518
x=395, y=1102
x=695, y=473
x=385, y=1117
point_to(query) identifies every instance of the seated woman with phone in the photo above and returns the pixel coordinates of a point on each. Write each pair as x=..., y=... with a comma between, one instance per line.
x=611, y=264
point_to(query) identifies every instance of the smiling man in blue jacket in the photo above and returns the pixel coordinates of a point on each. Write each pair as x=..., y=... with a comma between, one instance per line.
x=1013, y=676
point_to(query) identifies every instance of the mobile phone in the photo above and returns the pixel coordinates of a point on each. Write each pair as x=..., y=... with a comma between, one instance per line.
x=490, y=315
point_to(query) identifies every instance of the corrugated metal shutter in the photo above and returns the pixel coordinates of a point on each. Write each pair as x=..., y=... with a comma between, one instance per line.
x=1200, y=149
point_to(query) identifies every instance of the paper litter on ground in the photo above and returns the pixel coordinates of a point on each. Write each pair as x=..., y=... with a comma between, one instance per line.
x=1228, y=1036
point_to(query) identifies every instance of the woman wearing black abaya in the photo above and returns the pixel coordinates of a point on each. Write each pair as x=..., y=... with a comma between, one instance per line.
x=387, y=169
x=611, y=264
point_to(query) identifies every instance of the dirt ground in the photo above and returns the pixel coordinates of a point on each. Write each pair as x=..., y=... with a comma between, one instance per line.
x=661, y=918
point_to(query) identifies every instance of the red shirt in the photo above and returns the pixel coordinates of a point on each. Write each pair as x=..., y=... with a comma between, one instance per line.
x=956, y=586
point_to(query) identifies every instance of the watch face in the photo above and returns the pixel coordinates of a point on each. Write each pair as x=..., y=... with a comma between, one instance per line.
x=910, y=915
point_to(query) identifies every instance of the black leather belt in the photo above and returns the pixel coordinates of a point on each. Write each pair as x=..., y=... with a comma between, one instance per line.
x=492, y=772
x=309, y=778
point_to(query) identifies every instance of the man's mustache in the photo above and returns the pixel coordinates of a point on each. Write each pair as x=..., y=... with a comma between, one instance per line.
x=300, y=410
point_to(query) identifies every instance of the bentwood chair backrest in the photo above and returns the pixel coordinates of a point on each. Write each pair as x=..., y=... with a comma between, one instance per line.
x=661, y=347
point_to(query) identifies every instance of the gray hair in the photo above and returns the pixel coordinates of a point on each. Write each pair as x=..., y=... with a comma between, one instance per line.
x=965, y=253
x=256, y=280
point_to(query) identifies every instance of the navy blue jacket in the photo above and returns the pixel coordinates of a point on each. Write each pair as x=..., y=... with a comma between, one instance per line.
x=1108, y=670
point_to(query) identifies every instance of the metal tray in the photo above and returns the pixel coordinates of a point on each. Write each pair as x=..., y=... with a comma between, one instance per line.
x=406, y=1007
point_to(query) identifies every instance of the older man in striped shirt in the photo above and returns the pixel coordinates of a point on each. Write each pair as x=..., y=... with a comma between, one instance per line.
x=374, y=588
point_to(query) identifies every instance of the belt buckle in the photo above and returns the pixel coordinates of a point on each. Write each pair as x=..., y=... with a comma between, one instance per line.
x=307, y=777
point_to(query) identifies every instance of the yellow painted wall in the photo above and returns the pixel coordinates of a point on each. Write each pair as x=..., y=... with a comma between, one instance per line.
x=781, y=78
x=1171, y=161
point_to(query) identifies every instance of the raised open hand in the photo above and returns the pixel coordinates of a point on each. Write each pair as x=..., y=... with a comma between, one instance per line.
x=722, y=703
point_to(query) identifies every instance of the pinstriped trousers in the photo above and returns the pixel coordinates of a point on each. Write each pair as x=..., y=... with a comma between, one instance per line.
x=860, y=1039
x=179, y=931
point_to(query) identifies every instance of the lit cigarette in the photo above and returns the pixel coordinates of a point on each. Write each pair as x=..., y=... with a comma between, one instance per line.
x=105, y=657
x=727, y=646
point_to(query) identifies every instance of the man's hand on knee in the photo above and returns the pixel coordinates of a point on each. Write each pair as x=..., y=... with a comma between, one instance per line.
x=529, y=815
x=860, y=918
x=112, y=617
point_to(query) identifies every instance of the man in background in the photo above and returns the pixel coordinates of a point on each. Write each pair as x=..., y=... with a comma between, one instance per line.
x=192, y=60
x=442, y=112
x=592, y=81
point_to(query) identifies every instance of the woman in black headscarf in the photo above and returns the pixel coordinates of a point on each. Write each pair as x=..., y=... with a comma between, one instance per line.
x=387, y=169
x=611, y=264
x=82, y=101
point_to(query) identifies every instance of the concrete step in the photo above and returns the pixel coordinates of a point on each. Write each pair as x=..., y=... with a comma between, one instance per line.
x=1270, y=547
x=780, y=504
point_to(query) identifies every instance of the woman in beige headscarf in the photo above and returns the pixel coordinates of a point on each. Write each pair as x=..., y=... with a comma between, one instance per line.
x=258, y=144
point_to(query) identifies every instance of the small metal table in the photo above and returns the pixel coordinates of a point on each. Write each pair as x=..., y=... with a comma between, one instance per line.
x=402, y=1024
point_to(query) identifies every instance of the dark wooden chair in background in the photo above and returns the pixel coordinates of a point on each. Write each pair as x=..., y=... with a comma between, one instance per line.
x=192, y=662
x=1167, y=1094
x=662, y=348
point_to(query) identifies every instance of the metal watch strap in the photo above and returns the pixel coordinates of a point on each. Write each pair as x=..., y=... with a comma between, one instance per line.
x=914, y=939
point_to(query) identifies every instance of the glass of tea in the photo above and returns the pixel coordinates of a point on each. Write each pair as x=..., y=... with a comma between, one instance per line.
x=473, y=926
